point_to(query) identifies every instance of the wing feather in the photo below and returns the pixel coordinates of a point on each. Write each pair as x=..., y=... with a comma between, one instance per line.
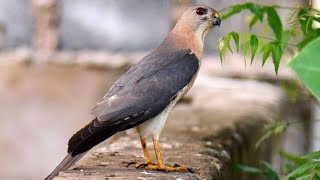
x=142, y=93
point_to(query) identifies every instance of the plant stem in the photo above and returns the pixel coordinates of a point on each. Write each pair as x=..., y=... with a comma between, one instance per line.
x=271, y=39
x=274, y=6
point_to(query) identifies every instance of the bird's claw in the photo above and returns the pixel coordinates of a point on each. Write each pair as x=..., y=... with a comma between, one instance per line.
x=171, y=168
x=190, y=170
x=165, y=168
x=131, y=163
x=174, y=165
x=141, y=165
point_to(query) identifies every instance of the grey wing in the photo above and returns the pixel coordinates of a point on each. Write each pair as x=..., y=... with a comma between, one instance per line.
x=142, y=93
x=136, y=87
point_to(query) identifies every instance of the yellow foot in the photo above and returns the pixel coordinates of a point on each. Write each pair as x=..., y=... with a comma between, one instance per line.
x=170, y=168
x=141, y=165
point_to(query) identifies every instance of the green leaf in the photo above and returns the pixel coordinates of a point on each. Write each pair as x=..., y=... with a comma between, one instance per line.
x=254, y=43
x=256, y=10
x=305, y=169
x=293, y=158
x=307, y=66
x=266, y=53
x=253, y=21
x=245, y=50
x=310, y=37
x=222, y=49
x=263, y=138
x=289, y=167
x=236, y=38
x=227, y=42
x=273, y=129
x=268, y=172
x=304, y=19
x=306, y=177
x=274, y=22
x=276, y=55
x=246, y=169
x=234, y=10
x=313, y=155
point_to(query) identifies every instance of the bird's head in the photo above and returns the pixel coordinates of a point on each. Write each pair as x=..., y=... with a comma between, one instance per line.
x=199, y=20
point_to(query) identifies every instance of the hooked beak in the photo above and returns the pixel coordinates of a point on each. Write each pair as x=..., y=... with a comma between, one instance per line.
x=217, y=22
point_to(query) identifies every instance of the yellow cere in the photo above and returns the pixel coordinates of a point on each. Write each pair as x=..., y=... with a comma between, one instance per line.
x=215, y=15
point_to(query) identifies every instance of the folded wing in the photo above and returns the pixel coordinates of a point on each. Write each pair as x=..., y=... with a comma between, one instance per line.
x=142, y=93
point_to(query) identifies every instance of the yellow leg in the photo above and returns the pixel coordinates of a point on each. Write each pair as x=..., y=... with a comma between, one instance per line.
x=156, y=145
x=160, y=166
x=147, y=158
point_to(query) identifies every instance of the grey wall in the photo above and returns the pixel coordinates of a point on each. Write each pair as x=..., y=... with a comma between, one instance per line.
x=116, y=25
x=15, y=22
x=113, y=24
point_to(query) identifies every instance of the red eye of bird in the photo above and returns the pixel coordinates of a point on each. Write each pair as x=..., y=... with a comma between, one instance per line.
x=201, y=11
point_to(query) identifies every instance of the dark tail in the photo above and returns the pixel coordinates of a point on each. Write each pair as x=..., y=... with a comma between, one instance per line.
x=65, y=164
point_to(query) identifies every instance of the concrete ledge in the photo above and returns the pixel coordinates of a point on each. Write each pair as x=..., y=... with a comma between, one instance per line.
x=219, y=120
x=219, y=117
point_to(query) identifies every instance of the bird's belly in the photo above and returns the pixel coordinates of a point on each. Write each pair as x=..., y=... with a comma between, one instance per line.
x=154, y=126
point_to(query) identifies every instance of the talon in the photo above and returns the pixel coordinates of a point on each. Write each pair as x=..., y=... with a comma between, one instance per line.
x=131, y=163
x=173, y=167
x=141, y=165
x=176, y=165
x=190, y=170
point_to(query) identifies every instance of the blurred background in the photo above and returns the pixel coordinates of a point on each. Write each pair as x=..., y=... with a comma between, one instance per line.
x=58, y=58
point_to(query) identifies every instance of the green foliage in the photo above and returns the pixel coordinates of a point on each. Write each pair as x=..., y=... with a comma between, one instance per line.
x=264, y=170
x=254, y=43
x=307, y=66
x=306, y=167
x=301, y=24
x=246, y=169
x=274, y=128
x=274, y=22
x=224, y=44
x=305, y=21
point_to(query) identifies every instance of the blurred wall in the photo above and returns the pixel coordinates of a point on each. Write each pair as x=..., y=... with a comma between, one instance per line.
x=15, y=23
x=118, y=25
x=41, y=106
x=115, y=25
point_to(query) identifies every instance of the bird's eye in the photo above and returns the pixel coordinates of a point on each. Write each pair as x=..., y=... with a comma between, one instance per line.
x=201, y=11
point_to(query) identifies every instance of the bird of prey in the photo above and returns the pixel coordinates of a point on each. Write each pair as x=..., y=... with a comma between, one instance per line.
x=143, y=97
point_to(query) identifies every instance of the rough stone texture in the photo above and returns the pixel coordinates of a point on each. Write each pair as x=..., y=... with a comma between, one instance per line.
x=45, y=21
x=113, y=24
x=218, y=120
